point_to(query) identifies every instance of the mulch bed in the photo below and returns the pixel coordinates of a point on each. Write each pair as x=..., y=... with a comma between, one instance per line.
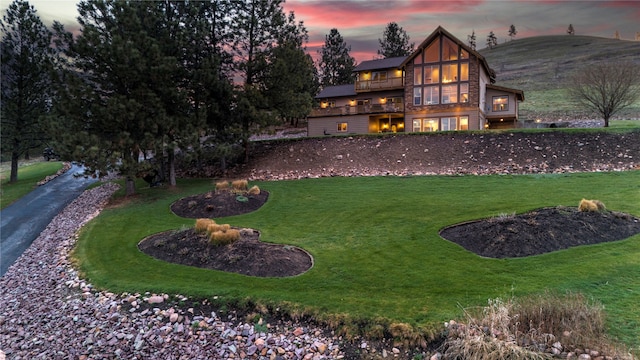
x=541, y=231
x=217, y=204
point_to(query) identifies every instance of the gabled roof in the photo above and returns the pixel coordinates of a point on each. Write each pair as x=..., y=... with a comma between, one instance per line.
x=441, y=31
x=519, y=93
x=337, y=91
x=388, y=63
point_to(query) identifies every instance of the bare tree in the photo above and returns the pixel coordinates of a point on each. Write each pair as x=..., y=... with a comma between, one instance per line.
x=606, y=88
x=570, y=30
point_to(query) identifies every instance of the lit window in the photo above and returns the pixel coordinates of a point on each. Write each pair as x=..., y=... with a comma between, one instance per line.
x=432, y=74
x=429, y=125
x=449, y=94
x=464, y=54
x=417, y=96
x=449, y=73
x=432, y=52
x=464, y=123
x=417, y=75
x=416, y=125
x=448, y=124
x=431, y=95
x=500, y=103
x=464, y=93
x=342, y=127
x=380, y=76
x=464, y=71
x=449, y=50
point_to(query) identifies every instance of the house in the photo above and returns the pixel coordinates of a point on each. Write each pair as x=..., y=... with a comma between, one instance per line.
x=443, y=85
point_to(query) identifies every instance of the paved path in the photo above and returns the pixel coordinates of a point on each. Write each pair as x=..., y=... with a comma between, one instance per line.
x=24, y=220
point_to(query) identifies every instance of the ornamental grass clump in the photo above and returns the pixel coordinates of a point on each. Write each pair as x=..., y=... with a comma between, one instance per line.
x=591, y=205
x=534, y=327
x=240, y=185
x=222, y=185
x=255, y=190
x=202, y=225
x=217, y=227
x=219, y=238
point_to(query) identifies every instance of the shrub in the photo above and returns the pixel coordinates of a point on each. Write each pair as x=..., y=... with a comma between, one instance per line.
x=217, y=227
x=255, y=190
x=222, y=185
x=224, y=237
x=240, y=184
x=590, y=205
x=526, y=327
x=202, y=225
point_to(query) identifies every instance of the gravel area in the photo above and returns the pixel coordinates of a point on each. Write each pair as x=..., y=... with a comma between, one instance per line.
x=49, y=312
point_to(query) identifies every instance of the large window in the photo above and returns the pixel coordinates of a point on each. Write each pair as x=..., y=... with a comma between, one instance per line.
x=464, y=123
x=432, y=74
x=443, y=62
x=432, y=53
x=449, y=94
x=449, y=123
x=500, y=103
x=342, y=127
x=417, y=96
x=417, y=75
x=431, y=95
x=441, y=124
x=464, y=92
x=429, y=125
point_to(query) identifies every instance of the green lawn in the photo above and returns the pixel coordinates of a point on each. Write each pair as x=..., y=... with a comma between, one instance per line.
x=28, y=177
x=376, y=247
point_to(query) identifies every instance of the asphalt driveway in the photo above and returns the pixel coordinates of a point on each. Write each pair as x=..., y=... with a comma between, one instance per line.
x=24, y=220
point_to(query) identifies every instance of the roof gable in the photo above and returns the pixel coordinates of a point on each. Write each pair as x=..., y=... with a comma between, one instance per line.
x=441, y=31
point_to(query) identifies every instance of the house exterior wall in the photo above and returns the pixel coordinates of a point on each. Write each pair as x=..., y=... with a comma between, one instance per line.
x=355, y=124
x=511, y=108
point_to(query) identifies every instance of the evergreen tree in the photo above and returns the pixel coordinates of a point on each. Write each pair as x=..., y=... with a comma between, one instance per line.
x=256, y=27
x=27, y=59
x=336, y=65
x=292, y=82
x=395, y=42
x=471, y=40
x=126, y=87
x=512, y=31
x=492, y=41
x=570, y=30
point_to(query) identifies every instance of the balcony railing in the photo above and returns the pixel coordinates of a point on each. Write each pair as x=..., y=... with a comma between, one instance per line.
x=359, y=109
x=371, y=85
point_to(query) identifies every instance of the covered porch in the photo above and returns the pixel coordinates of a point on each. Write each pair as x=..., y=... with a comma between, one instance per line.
x=391, y=122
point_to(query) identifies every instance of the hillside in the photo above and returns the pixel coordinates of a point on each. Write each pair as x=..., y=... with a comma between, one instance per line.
x=476, y=153
x=541, y=65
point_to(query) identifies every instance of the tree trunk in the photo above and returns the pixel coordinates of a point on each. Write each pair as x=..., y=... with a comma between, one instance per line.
x=172, y=167
x=26, y=155
x=14, y=167
x=606, y=121
x=130, y=186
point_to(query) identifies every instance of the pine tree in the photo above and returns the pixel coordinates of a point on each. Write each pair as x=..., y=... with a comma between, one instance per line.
x=125, y=86
x=292, y=81
x=336, y=65
x=395, y=42
x=570, y=30
x=27, y=59
x=471, y=40
x=492, y=41
x=512, y=31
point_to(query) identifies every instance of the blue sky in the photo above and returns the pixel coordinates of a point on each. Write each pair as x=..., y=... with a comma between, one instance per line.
x=361, y=22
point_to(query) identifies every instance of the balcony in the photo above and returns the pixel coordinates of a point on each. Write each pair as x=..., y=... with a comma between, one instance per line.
x=376, y=85
x=357, y=110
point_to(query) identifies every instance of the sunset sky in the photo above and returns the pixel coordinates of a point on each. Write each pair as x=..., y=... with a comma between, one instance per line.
x=361, y=22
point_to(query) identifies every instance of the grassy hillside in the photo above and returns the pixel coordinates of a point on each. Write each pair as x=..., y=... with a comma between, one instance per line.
x=540, y=66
